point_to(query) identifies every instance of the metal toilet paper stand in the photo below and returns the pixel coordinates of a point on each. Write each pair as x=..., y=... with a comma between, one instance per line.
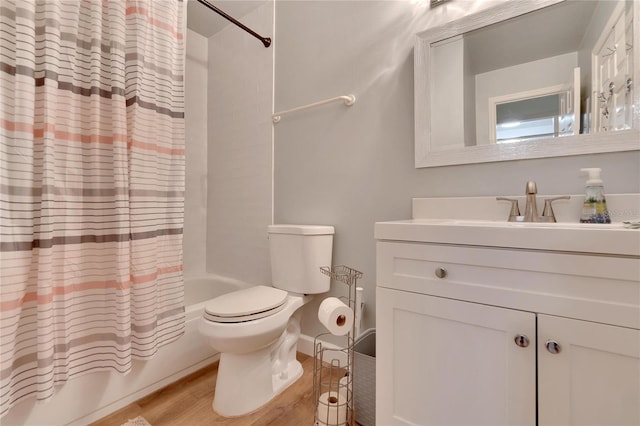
x=333, y=365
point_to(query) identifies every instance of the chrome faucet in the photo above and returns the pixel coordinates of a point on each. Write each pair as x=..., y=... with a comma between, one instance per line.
x=531, y=208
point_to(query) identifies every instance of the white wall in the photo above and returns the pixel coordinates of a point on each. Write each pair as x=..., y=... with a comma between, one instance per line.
x=239, y=188
x=350, y=167
x=195, y=199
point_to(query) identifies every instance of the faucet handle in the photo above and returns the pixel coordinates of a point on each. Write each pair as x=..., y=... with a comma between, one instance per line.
x=547, y=212
x=515, y=209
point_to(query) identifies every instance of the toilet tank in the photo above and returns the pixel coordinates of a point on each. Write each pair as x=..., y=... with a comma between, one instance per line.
x=297, y=252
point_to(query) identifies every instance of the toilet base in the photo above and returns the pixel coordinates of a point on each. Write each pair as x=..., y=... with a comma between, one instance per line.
x=245, y=382
x=283, y=380
x=248, y=380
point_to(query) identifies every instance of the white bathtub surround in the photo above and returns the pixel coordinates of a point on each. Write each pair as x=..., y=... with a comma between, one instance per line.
x=205, y=287
x=74, y=405
x=240, y=149
x=195, y=197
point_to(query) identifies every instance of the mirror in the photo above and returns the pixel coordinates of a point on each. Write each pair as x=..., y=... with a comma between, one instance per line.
x=528, y=79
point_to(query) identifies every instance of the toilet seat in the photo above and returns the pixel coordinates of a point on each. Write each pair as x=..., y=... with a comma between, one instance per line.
x=246, y=305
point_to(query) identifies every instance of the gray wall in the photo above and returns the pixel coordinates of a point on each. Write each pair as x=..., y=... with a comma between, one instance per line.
x=353, y=166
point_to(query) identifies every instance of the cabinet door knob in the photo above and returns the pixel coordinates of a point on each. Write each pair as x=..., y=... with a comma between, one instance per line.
x=553, y=346
x=441, y=272
x=521, y=340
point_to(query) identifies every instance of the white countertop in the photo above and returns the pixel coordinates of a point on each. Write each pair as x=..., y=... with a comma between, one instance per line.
x=612, y=239
x=482, y=221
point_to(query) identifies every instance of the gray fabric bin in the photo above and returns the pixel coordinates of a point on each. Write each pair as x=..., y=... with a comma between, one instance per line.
x=364, y=378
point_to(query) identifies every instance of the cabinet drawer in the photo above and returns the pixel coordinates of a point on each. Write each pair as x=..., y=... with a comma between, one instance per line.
x=595, y=288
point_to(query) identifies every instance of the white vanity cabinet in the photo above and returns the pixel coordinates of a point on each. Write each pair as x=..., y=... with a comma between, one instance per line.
x=481, y=335
x=594, y=379
x=442, y=361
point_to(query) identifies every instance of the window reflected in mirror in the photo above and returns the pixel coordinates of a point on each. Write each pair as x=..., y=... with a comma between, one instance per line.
x=528, y=119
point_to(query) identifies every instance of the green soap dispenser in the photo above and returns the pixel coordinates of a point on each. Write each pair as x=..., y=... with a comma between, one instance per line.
x=594, y=209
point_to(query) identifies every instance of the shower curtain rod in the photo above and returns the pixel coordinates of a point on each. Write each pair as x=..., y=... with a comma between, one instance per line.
x=265, y=40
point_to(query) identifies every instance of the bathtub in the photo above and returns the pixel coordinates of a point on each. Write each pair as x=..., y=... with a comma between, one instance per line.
x=88, y=398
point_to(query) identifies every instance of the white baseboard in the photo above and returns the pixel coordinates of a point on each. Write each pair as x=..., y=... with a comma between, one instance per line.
x=305, y=345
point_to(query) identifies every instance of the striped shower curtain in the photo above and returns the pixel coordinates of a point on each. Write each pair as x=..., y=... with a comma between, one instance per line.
x=91, y=188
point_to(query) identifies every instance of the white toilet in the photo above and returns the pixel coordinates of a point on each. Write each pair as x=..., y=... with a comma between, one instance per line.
x=256, y=329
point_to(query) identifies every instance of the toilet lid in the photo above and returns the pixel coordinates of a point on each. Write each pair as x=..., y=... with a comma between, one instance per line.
x=246, y=305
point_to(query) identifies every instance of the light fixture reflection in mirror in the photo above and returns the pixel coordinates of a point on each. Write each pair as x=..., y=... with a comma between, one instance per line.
x=565, y=53
x=435, y=3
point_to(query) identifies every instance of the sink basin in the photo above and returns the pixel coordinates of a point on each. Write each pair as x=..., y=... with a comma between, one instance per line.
x=572, y=237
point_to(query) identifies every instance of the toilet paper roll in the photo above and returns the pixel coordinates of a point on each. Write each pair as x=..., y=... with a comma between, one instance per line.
x=332, y=409
x=344, y=386
x=335, y=316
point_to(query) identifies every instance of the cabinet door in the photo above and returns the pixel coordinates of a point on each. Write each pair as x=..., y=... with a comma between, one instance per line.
x=446, y=362
x=592, y=376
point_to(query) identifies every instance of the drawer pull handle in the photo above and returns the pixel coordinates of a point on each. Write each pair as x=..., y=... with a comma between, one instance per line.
x=521, y=340
x=441, y=272
x=553, y=346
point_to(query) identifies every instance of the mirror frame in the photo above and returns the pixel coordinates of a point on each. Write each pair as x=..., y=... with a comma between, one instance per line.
x=601, y=142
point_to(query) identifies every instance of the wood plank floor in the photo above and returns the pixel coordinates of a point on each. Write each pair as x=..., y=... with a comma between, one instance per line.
x=188, y=402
